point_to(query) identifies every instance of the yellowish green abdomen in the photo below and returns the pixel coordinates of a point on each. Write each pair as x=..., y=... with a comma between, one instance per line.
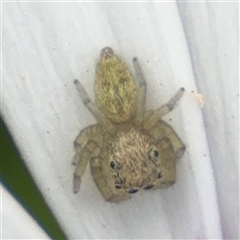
x=116, y=90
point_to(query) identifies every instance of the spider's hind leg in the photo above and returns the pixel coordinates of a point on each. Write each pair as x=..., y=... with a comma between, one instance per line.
x=163, y=110
x=93, y=108
x=142, y=90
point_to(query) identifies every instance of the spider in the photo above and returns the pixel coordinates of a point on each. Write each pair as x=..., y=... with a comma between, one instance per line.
x=129, y=148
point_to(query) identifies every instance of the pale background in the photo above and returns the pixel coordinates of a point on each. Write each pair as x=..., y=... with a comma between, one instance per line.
x=179, y=44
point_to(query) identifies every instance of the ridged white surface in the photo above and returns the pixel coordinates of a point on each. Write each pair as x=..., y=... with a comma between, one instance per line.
x=16, y=223
x=191, y=45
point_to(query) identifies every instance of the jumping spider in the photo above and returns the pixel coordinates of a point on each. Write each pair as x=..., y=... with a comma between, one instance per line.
x=129, y=148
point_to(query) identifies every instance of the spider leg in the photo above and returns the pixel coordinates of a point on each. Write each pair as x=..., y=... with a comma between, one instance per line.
x=158, y=113
x=93, y=109
x=163, y=130
x=93, y=133
x=86, y=146
x=168, y=163
x=142, y=90
x=105, y=182
x=171, y=148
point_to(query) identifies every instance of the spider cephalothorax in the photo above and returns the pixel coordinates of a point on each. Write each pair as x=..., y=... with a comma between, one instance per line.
x=130, y=148
x=133, y=159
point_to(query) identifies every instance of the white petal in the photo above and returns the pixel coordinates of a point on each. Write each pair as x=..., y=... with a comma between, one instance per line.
x=193, y=45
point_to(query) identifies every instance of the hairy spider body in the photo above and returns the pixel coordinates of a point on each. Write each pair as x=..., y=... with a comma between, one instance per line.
x=130, y=148
x=116, y=90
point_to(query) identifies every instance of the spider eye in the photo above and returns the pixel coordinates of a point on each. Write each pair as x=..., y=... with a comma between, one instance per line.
x=159, y=175
x=149, y=187
x=155, y=153
x=133, y=191
x=112, y=164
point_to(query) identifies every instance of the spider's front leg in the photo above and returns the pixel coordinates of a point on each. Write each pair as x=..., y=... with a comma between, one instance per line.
x=171, y=148
x=86, y=147
x=163, y=130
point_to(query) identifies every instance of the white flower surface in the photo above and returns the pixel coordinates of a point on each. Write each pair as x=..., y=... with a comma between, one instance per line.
x=15, y=221
x=45, y=46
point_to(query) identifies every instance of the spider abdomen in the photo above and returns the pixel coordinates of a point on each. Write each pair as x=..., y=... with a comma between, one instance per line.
x=116, y=90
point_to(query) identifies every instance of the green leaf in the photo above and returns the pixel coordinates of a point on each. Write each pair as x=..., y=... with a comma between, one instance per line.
x=17, y=179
